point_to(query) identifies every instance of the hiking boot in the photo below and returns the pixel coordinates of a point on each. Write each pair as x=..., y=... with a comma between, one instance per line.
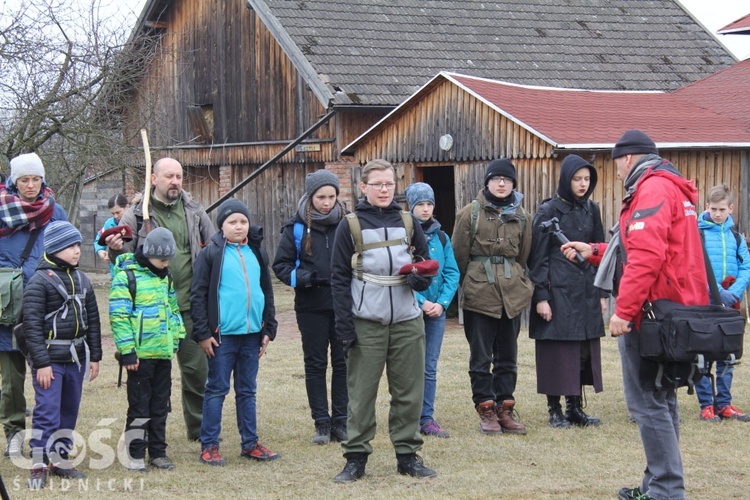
x=14, y=447
x=487, y=418
x=65, y=470
x=211, y=456
x=632, y=494
x=730, y=411
x=137, y=465
x=38, y=477
x=162, y=463
x=354, y=468
x=707, y=414
x=575, y=414
x=411, y=464
x=556, y=418
x=505, y=418
x=338, y=431
x=322, y=432
x=260, y=453
x=432, y=428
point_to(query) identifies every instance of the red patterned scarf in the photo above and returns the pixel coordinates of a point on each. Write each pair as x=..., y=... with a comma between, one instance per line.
x=17, y=214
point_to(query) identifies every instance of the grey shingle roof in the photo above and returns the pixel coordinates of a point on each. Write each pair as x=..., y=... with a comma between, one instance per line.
x=378, y=52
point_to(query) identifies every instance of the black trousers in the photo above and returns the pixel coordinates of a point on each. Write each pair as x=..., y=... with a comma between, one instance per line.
x=492, y=342
x=149, y=390
x=318, y=334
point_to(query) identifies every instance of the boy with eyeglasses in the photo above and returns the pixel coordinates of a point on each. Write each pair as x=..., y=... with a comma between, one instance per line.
x=492, y=242
x=379, y=322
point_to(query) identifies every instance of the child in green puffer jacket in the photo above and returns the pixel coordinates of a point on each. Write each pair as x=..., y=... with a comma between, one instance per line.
x=147, y=328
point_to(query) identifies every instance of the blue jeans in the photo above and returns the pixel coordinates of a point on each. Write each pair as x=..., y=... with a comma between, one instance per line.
x=433, y=330
x=238, y=353
x=704, y=391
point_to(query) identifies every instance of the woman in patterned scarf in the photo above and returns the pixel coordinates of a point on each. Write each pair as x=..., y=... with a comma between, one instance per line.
x=26, y=207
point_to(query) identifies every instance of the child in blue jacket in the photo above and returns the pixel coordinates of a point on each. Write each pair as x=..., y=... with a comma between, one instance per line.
x=118, y=205
x=435, y=300
x=231, y=302
x=727, y=251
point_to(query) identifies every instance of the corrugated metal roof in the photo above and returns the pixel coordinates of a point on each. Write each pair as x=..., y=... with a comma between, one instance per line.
x=378, y=52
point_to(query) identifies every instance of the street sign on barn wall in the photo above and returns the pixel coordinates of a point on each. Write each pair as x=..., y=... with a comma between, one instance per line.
x=307, y=148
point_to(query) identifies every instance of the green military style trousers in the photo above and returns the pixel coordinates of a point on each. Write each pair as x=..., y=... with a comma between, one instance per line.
x=400, y=349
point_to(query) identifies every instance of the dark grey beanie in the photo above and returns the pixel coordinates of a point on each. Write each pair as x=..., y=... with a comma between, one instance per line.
x=417, y=193
x=159, y=244
x=229, y=207
x=634, y=142
x=318, y=179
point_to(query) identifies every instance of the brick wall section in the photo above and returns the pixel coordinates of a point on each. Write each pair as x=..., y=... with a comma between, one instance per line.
x=343, y=169
x=225, y=179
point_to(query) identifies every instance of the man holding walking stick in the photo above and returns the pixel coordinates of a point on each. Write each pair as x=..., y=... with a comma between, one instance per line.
x=173, y=208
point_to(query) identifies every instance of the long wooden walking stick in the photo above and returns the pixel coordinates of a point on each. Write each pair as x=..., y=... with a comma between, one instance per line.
x=147, y=190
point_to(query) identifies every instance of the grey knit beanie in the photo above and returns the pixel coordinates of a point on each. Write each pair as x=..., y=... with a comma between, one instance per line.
x=159, y=244
x=320, y=178
x=417, y=193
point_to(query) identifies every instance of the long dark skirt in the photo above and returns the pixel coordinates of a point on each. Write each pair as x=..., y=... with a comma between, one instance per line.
x=560, y=370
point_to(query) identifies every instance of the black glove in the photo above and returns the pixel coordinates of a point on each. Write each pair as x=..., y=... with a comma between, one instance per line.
x=347, y=341
x=316, y=281
x=418, y=283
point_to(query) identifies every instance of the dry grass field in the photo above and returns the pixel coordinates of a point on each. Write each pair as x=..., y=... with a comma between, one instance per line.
x=546, y=463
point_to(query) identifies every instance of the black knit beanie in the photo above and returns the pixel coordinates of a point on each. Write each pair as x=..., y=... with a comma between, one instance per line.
x=634, y=142
x=501, y=166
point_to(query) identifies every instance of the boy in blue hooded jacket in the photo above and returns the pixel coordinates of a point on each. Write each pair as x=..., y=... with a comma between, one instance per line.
x=727, y=251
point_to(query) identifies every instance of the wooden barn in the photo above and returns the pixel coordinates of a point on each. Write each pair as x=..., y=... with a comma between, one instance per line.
x=230, y=84
x=447, y=133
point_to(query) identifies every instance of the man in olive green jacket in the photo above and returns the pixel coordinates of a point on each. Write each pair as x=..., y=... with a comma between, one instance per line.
x=492, y=241
x=173, y=208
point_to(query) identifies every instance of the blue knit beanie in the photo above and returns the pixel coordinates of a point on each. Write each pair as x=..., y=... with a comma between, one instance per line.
x=59, y=235
x=417, y=193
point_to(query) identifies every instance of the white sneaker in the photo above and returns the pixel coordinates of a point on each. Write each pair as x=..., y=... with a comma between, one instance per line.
x=14, y=448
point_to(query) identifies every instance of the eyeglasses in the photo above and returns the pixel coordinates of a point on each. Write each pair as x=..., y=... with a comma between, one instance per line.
x=390, y=186
x=499, y=179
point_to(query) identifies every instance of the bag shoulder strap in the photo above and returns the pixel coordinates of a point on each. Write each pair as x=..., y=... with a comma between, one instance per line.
x=442, y=237
x=132, y=286
x=355, y=228
x=33, y=235
x=474, y=219
x=298, y=229
x=712, y=286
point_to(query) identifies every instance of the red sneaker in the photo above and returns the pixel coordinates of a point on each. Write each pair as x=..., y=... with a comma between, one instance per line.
x=260, y=453
x=707, y=414
x=211, y=456
x=730, y=411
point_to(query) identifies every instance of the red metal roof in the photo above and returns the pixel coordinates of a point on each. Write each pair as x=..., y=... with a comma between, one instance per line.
x=741, y=25
x=573, y=119
x=726, y=92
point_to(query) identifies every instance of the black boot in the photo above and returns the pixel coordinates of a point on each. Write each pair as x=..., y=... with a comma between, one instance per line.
x=354, y=468
x=411, y=464
x=575, y=414
x=556, y=418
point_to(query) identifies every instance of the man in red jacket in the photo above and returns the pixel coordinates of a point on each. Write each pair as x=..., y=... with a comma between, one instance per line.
x=657, y=242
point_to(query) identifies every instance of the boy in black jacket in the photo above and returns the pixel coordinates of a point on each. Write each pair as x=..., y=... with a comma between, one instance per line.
x=63, y=338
